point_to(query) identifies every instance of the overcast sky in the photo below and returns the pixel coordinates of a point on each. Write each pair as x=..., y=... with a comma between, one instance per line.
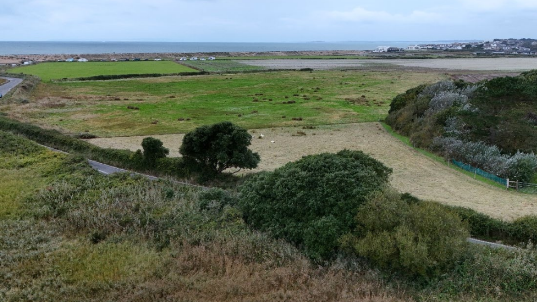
x=265, y=21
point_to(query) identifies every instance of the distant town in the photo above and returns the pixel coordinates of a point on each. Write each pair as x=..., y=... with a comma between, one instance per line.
x=496, y=46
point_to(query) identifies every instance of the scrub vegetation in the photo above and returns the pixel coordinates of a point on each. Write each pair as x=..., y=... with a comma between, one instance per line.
x=491, y=125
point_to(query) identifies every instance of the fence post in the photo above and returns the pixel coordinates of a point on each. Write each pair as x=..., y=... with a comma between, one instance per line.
x=507, y=184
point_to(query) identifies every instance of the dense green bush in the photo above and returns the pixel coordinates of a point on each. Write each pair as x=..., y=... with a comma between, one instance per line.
x=312, y=202
x=218, y=147
x=524, y=229
x=419, y=238
x=153, y=150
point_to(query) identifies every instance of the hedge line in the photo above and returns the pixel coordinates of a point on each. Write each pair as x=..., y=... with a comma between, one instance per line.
x=134, y=75
x=521, y=230
x=122, y=158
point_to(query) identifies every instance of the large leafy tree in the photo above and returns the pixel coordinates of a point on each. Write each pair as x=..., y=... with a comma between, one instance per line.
x=218, y=147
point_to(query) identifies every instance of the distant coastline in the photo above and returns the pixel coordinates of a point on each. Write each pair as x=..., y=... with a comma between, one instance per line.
x=78, y=48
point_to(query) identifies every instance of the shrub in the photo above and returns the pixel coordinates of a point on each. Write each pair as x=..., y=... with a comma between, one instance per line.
x=520, y=166
x=419, y=238
x=524, y=229
x=312, y=202
x=218, y=147
x=153, y=150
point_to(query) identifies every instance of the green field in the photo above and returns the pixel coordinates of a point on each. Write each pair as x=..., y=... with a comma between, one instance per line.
x=257, y=100
x=221, y=66
x=59, y=70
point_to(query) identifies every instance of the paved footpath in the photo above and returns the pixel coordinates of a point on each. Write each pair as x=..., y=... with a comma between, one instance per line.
x=11, y=83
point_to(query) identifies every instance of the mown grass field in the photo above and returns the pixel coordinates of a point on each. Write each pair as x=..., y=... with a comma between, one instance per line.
x=59, y=70
x=180, y=104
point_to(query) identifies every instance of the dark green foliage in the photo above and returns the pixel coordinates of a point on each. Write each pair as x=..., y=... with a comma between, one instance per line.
x=402, y=99
x=218, y=147
x=153, y=150
x=521, y=231
x=312, y=202
x=421, y=238
x=524, y=229
x=216, y=199
x=132, y=76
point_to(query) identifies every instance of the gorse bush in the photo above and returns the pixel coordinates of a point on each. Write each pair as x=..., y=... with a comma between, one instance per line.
x=312, y=202
x=418, y=238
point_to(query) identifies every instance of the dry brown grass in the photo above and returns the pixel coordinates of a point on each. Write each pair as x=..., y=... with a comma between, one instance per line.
x=215, y=272
x=413, y=172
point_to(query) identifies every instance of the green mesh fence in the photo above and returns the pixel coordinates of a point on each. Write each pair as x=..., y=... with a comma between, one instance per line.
x=478, y=171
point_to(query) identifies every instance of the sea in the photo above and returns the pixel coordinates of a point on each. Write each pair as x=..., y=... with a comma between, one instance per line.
x=44, y=48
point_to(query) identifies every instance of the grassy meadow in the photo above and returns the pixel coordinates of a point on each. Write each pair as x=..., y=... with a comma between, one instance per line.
x=180, y=104
x=59, y=70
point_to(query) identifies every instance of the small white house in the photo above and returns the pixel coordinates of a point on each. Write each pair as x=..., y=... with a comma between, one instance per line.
x=82, y=60
x=194, y=59
x=70, y=60
x=183, y=59
x=382, y=49
x=414, y=47
x=211, y=58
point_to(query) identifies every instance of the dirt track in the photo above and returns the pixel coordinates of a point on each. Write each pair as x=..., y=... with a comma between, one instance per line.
x=413, y=172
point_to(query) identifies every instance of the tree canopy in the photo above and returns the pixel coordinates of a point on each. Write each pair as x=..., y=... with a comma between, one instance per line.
x=218, y=147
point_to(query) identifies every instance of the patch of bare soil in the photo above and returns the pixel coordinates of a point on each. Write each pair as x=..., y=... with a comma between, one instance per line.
x=412, y=172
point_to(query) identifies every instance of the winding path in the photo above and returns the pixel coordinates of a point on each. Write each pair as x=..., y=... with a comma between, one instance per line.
x=11, y=83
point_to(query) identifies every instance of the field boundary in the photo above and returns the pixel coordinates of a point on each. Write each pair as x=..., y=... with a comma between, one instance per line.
x=439, y=159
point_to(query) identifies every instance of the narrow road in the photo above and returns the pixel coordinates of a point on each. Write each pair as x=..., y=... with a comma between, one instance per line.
x=11, y=83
